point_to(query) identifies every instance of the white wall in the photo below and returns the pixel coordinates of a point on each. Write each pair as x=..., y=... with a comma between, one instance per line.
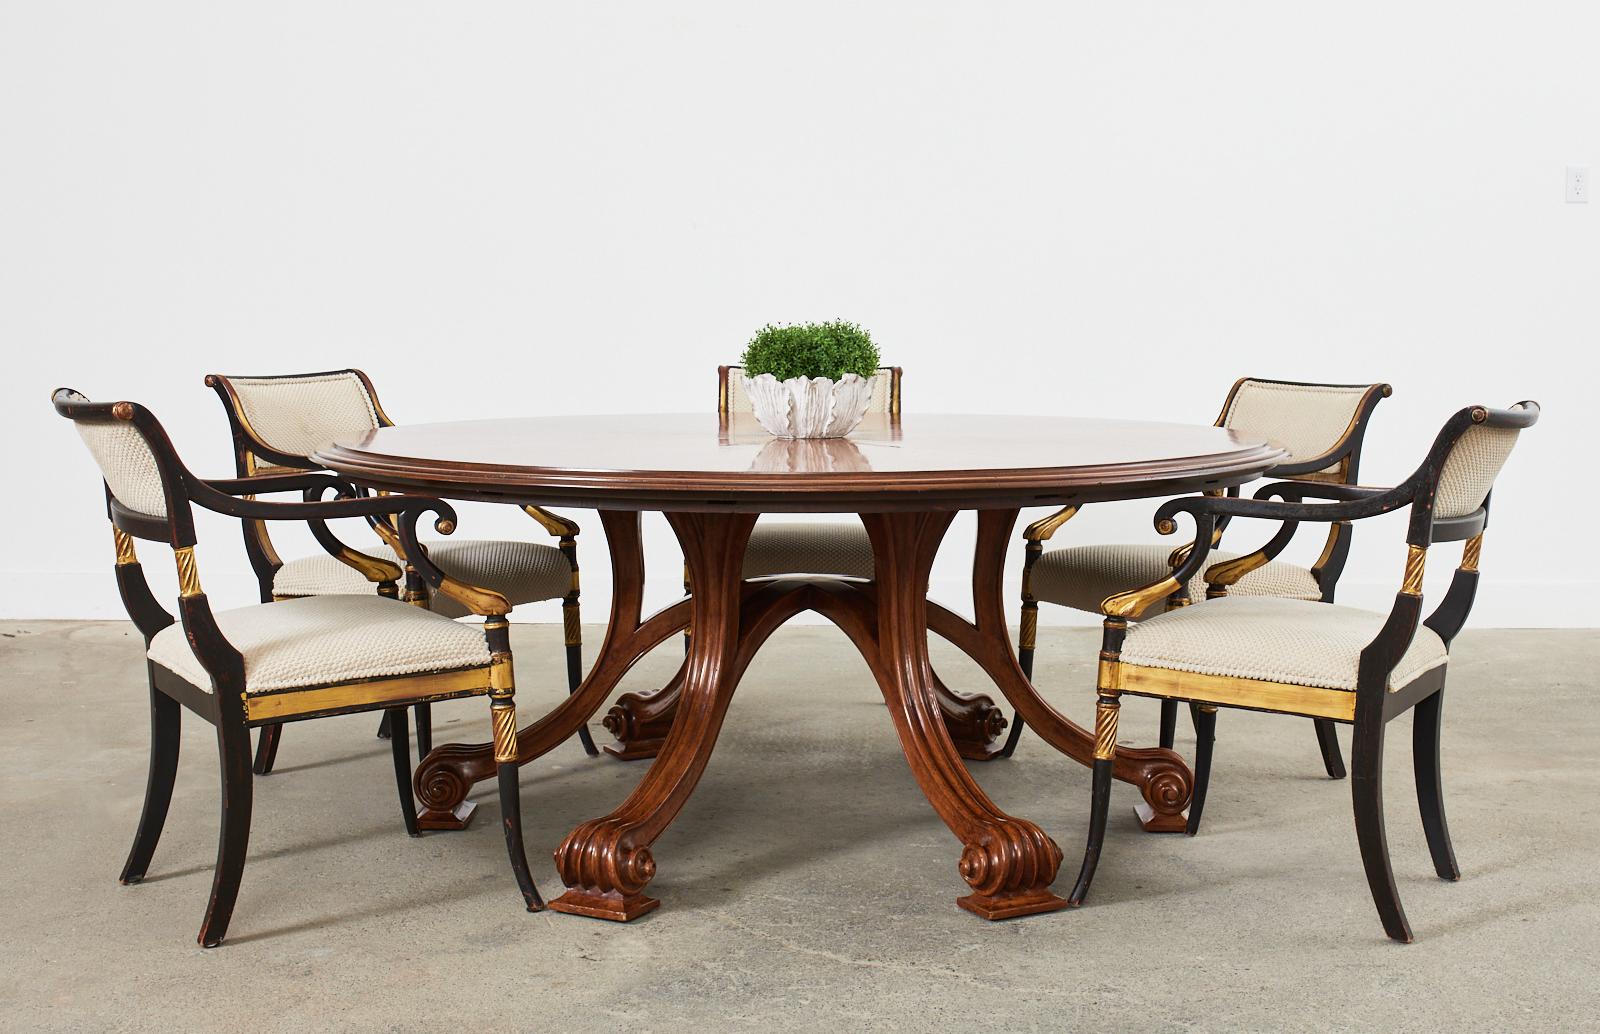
x=1038, y=208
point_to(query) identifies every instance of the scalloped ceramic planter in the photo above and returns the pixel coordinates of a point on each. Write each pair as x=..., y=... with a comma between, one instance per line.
x=809, y=407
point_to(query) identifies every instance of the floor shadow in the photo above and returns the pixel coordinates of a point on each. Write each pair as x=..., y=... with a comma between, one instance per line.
x=396, y=830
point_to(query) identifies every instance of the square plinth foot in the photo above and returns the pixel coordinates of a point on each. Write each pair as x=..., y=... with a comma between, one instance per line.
x=1015, y=905
x=634, y=751
x=1155, y=822
x=615, y=907
x=458, y=819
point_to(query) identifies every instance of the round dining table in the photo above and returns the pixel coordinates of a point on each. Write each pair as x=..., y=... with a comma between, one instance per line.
x=905, y=478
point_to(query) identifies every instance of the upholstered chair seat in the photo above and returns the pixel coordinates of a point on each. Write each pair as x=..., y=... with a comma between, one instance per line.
x=809, y=547
x=522, y=572
x=1294, y=642
x=1081, y=577
x=328, y=639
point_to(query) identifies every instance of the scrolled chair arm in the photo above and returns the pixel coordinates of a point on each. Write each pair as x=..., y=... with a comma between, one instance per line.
x=1124, y=605
x=374, y=569
x=404, y=541
x=298, y=481
x=1344, y=503
x=218, y=499
x=316, y=512
x=1220, y=576
x=1296, y=491
x=1367, y=505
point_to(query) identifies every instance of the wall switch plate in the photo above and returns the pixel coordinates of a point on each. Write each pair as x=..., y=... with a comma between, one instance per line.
x=1577, y=184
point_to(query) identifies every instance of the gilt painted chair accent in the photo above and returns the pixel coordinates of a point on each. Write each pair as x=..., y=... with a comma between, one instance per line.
x=289, y=661
x=1319, y=660
x=1321, y=425
x=278, y=423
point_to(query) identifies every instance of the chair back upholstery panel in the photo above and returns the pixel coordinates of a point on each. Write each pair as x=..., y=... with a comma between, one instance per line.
x=733, y=398
x=300, y=415
x=1470, y=469
x=127, y=463
x=1307, y=419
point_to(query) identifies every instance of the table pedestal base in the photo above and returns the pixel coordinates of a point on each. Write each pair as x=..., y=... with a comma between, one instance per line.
x=1007, y=862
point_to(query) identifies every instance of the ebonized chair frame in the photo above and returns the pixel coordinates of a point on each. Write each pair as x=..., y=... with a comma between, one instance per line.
x=1345, y=454
x=234, y=712
x=1371, y=706
x=254, y=458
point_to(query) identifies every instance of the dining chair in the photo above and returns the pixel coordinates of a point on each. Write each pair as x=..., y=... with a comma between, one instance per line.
x=1321, y=425
x=294, y=660
x=278, y=422
x=1319, y=660
x=805, y=547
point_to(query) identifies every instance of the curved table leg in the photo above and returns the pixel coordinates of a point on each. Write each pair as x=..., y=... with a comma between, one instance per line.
x=1161, y=775
x=1008, y=862
x=640, y=721
x=447, y=774
x=606, y=862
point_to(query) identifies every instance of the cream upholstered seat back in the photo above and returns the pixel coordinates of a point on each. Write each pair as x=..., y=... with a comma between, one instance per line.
x=1309, y=420
x=298, y=415
x=732, y=397
x=1469, y=471
x=127, y=464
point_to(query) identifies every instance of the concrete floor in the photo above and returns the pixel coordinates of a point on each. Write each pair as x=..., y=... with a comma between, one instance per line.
x=807, y=885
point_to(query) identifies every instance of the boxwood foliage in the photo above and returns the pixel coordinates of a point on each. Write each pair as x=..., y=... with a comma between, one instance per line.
x=828, y=350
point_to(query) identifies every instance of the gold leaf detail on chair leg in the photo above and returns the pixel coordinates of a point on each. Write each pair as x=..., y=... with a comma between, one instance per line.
x=504, y=715
x=1106, y=713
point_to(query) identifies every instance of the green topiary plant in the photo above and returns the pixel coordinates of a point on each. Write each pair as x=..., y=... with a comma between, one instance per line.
x=828, y=350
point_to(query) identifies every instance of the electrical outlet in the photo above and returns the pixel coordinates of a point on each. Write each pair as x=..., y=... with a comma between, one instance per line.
x=1577, y=184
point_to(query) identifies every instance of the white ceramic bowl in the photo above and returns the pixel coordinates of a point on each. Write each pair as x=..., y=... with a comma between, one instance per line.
x=809, y=407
